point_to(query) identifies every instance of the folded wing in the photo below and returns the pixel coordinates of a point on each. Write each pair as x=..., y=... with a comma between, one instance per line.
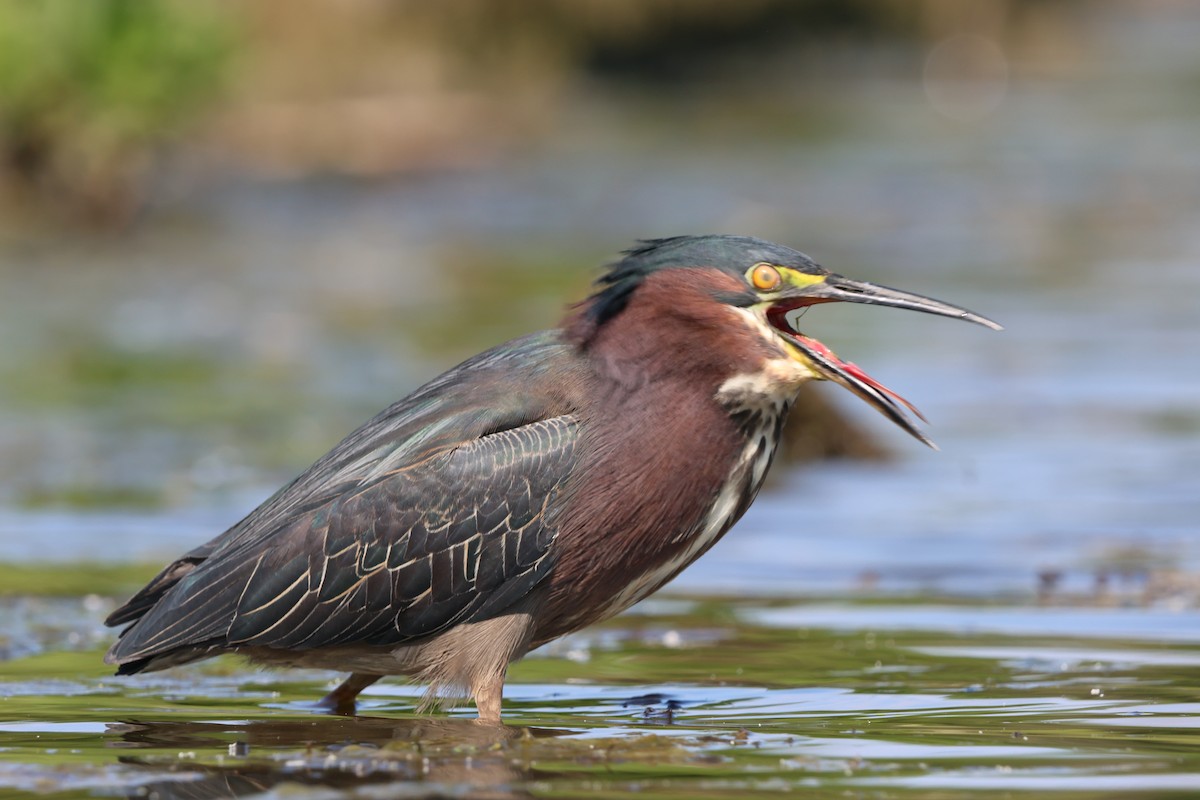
x=435, y=513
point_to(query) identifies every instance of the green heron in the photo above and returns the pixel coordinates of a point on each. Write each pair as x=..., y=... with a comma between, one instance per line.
x=534, y=489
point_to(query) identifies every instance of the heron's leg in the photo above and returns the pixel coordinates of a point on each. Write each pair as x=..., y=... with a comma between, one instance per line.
x=342, y=699
x=489, y=693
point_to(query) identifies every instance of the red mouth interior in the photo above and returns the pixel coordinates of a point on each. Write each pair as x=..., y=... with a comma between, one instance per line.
x=778, y=319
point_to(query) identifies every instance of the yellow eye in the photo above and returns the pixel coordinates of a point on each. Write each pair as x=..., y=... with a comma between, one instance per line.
x=765, y=277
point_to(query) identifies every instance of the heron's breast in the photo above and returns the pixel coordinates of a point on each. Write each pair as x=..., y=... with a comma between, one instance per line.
x=734, y=497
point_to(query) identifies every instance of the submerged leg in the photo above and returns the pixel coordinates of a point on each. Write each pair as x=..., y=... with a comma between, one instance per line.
x=489, y=694
x=341, y=700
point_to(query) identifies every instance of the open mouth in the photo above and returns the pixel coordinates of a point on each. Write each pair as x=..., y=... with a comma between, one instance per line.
x=834, y=288
x=848, y=374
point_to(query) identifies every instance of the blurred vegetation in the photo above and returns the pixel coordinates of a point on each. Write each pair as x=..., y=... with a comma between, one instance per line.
x=73, y=579
x=88, y=90
x=91, y=91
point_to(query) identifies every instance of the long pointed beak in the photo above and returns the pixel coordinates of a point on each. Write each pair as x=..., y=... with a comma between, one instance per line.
x=837, y=288
x=834, y=288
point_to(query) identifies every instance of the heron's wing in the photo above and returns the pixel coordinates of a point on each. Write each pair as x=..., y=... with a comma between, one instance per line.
x=390, y=537
x=493, y=391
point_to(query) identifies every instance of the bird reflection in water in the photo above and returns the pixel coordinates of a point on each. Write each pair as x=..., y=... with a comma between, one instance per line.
x=432, y=757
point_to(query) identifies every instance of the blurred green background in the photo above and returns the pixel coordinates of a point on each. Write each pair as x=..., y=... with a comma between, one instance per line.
x=229, y=232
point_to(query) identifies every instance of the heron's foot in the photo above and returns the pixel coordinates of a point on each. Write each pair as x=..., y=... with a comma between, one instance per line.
x=343, y=699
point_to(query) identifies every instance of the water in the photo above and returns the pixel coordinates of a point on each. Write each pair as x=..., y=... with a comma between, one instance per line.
x=686, y=698
x=1015, y=613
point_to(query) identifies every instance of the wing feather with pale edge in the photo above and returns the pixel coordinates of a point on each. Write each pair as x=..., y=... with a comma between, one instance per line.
x=435, y=513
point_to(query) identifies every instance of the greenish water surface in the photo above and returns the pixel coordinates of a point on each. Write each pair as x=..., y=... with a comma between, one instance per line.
x=686, y=697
